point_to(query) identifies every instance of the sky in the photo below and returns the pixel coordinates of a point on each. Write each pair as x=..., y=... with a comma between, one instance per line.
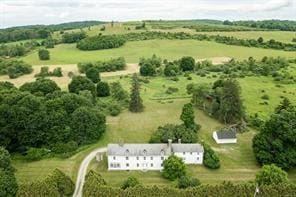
x=28, y=12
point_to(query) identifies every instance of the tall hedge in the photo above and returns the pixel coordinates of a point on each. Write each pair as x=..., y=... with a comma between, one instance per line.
x=56, y=184
x=225, y=189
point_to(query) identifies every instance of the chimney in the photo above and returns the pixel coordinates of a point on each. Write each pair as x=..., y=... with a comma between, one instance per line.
x=179, y=141
x=170, y=145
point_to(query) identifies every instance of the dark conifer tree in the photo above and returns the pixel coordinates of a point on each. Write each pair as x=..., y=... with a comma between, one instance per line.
x=136, y=102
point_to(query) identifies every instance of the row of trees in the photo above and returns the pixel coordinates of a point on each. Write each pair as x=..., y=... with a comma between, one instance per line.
x=284, y=25
x=101, y=42
x=271, y=181
x=14, y=68
x=150, y=35
x=40, y=116
x=113, y=64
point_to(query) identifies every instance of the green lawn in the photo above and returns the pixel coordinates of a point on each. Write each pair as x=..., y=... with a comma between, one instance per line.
x=238, y=162
x=169, y=49
x=283, y=36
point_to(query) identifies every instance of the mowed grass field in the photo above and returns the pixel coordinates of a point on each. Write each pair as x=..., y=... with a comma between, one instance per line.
x=238, y=161
x=167, y=49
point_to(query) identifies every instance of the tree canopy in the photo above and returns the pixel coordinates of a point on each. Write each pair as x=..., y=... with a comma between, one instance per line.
x=271, y=175
x=173, y=168
x=276, y=141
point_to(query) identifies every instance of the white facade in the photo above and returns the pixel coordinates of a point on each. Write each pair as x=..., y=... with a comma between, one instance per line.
x=224, y=141
x=190, y=157
x=150, y=156
x=135, y=162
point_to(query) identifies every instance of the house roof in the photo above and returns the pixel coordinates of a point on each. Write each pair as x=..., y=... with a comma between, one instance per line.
x=151, y=149
x=138, y=149
x=187, y=148
x=229, y=134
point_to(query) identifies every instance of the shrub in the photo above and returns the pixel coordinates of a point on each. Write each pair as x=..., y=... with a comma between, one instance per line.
x=80, y=83
x=171, y=90
x=104, y=66
x=147, y=69
x=93, y=74
x=40, y=86
x=187, y=63
x=171, y=69
x=173, y=168
x=271, y=175
x=186, y=181
x=211, y=159
x=103, y=89
x=43, y=54
x=130, y=182
x=265, y=97
x=35, y=154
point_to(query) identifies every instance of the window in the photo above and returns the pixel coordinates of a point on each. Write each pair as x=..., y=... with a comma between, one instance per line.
x=137, y=158
x=118, y=165
x=111, y=165
x=127, y=165
x=151, y=164
x=197, y=158
x=114, y=158
x=161, y=164
x=138, y=165
x=162, y=158
x=183, y=153
x=190, y=153
x=144, y=158
x=126, y=158
x=151, y=158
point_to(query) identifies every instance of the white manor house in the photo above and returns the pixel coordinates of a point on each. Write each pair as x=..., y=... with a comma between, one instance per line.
x=151, y=156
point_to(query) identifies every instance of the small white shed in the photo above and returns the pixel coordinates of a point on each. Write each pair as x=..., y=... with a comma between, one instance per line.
x=225, y=136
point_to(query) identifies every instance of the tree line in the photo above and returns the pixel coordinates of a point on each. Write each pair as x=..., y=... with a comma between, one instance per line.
x=284, y=25
x=39, y=115
x=260, y=43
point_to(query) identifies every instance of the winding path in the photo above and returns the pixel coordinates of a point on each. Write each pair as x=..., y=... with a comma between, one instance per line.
x=83, y=169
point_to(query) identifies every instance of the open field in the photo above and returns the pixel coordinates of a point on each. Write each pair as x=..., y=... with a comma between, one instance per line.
x=282, y=36
x=169, y=49
x=238, y=162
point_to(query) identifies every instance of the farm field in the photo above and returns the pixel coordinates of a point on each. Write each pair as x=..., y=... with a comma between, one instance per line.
x=167, y=49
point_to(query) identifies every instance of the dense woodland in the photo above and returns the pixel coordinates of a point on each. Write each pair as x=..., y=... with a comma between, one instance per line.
x=39, y=115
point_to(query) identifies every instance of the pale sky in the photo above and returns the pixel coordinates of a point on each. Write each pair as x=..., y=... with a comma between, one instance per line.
x=27, y=12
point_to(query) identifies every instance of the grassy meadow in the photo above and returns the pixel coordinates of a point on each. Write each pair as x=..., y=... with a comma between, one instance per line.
x=167, y=49
x=238, y=161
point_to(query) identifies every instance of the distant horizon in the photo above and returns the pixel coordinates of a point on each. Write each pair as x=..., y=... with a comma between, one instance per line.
x=124, y=21
x=29, y=12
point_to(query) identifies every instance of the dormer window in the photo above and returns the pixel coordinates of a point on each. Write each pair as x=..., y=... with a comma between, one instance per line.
x=126, y=151
x=144, y=152
x=162, y=152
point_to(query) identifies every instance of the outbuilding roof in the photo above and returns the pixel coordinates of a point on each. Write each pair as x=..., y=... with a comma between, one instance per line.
x=229, y=134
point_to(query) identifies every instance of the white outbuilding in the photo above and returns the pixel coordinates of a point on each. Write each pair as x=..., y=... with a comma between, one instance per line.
x=225, y=136
x=151, y=156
